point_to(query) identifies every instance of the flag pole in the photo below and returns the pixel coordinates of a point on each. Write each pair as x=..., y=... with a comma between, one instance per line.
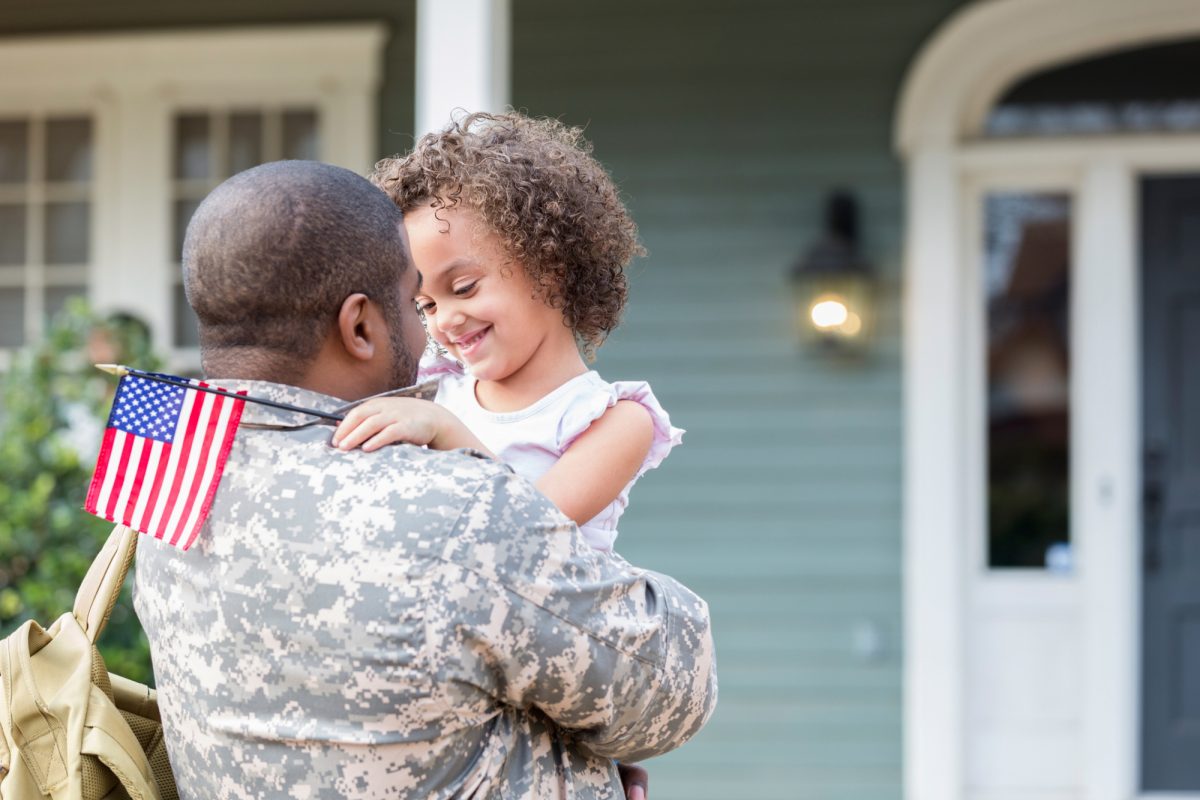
x=121, y=371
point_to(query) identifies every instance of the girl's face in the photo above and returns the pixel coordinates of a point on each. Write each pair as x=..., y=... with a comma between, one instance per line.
x=477, y=301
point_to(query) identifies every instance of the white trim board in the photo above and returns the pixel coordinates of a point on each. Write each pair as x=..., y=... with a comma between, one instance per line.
x=326, y=55
x=969, y=62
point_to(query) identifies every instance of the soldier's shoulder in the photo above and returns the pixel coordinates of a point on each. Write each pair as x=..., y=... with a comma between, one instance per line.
x=483, y=497
x=462, y=463
x=461, y=472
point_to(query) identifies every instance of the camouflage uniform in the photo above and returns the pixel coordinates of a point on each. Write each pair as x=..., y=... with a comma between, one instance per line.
x=407, y=623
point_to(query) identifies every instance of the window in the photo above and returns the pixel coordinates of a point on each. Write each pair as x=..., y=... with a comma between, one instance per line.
x=109, y=141
x=1027, y=267
x=1147, y=90
x=45, y=220
x=209, y=146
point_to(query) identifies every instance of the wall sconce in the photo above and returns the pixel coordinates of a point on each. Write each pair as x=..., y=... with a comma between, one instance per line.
x=833, y=285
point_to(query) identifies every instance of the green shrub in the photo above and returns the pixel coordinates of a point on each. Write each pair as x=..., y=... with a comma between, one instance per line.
x=53, y=405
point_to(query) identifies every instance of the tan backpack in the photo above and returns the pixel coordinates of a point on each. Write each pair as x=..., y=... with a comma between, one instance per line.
x=69, y=729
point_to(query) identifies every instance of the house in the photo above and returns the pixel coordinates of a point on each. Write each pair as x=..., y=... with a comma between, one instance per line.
x=964, y=566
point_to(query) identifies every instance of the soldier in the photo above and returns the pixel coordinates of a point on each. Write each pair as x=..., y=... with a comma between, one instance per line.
x=407, y=622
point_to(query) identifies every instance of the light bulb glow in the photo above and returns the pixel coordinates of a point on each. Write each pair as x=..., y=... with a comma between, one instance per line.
x=829, y=314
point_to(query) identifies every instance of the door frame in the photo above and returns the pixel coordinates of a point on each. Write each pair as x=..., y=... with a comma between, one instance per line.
x=978, y=53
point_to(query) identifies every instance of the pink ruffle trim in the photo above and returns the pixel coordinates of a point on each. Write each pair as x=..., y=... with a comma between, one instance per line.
x=580, y=417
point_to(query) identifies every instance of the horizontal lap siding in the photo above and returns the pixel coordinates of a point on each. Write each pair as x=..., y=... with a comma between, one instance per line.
x=725, y=124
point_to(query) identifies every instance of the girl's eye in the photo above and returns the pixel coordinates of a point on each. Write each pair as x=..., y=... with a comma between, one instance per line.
x=426, y=307
x=466, y=289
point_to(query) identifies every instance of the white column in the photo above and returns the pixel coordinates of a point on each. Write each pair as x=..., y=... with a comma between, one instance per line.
x=352, y=146
x=934, y=483
x=108, y=279
x=462, y=59
x=1105, y=434
x=137, y=158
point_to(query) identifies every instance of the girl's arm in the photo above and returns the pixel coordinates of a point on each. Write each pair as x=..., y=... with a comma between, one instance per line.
x=387, y=420
x=597, y=465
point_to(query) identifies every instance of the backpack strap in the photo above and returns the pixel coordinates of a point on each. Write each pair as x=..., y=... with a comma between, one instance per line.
x=5, y=725
x=102, y=584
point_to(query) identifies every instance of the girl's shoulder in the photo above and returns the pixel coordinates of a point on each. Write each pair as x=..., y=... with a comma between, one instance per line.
x=591, y=397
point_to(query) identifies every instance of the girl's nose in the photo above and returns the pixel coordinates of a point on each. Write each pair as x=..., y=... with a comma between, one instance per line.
x=449, y=320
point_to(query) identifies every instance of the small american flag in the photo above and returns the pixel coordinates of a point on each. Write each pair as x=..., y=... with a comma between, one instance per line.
x=162, y=456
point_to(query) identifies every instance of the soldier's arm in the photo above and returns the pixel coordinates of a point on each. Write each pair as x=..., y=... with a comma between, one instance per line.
x=527, y=615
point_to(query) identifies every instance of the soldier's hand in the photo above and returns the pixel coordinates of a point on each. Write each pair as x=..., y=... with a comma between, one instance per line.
x=636, y=781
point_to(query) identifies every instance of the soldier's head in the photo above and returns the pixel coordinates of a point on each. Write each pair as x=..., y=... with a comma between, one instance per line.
x=299, y=273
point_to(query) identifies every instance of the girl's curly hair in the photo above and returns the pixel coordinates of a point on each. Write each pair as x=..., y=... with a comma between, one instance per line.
x=535, y=183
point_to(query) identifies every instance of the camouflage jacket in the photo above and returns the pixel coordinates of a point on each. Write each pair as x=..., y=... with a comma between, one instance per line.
x=409, y=624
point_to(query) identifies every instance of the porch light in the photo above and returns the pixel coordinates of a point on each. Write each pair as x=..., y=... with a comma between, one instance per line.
x=833, y=285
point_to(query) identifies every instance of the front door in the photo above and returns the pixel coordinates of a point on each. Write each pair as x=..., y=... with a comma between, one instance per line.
x=1170, y=309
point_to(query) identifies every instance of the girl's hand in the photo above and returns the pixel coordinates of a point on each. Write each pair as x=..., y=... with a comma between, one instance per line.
x=389, y=420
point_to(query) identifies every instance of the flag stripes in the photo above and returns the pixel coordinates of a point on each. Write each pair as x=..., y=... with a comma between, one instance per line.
x=161, y=459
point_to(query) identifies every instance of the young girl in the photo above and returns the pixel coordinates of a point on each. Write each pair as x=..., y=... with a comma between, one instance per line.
x=521, y=242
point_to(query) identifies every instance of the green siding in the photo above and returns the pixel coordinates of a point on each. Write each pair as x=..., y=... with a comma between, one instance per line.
x=725, y=123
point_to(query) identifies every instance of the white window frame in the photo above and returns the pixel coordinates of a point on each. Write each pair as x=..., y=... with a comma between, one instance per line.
x=954, y=81
x=132, y=85
x=37, y=111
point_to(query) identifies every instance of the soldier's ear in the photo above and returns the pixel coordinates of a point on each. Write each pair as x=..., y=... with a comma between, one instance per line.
x=360, y=327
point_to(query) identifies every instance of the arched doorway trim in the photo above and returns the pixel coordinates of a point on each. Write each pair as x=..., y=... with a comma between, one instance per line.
x=987, y=46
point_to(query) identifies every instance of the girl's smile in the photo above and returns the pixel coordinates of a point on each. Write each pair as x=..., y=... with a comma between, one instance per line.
x=469, y=344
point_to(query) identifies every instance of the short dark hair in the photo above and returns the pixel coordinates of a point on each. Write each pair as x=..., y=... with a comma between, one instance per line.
x=537, y=185
x=271, y=254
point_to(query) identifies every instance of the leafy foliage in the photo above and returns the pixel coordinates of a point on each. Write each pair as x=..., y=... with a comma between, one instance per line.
x=53, y=404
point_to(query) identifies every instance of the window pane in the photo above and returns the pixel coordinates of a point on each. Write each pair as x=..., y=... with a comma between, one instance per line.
x=1143, y=90
x=1027, y=278
x=12, y=235
x=14, y=151
x=245, y=141
x=67, y=233
x=69, y=150
x=12, y=317
x=183, y=215
x=187, y=331
x=300, y=135
x=192, y=151
x=56, y=298
x=1073, y=119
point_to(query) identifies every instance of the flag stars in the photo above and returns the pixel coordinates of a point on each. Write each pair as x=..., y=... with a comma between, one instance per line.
x=146, y=408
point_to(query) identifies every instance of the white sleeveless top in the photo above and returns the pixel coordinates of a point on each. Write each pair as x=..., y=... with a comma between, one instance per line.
x=533, y=439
